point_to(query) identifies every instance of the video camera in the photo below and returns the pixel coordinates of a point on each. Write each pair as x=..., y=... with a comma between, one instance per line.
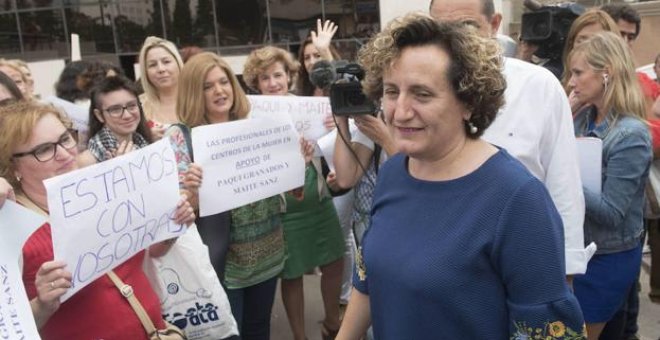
x=548, y=26
x=343, y=80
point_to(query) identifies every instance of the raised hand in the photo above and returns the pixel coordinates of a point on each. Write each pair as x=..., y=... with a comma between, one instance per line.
x=322, y=37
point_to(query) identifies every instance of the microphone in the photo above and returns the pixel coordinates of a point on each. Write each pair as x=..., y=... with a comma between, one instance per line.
x=323, y=74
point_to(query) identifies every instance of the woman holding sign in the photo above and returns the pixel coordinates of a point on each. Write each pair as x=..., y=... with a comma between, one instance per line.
x=36, y=144
x=311, y=226
x=603, y=76
x=246, y=244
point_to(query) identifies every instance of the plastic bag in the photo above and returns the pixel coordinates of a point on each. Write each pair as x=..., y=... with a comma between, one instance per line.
x=189, y=290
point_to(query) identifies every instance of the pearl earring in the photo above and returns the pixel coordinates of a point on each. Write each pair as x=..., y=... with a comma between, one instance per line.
x=473, y=129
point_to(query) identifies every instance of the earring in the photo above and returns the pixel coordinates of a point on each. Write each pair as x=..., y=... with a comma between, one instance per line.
x=473, y=129
x=18, y=178
x=606, y=79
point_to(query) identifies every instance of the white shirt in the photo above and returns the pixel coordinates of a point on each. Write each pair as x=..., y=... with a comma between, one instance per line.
x=536, y=126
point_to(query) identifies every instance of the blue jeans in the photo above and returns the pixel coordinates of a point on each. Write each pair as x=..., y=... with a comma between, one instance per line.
x=251, y=307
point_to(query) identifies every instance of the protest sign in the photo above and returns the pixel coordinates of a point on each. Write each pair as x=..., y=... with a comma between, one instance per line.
x=307, y=113
x=104, y=214
x=245, y=161
x=16, y=226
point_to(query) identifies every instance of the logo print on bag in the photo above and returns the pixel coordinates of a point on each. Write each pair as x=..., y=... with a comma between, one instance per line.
x=172, y=288
x=196, y=315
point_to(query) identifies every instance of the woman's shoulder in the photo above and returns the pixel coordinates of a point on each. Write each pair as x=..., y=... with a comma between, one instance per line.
x=629, y=126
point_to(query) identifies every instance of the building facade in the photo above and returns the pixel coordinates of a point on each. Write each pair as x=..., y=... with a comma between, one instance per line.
x=36, y=30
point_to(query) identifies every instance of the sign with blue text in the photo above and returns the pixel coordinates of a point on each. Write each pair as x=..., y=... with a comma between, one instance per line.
x=104, y=214
x=307, y=113
x=245, y=161
x=16, y=226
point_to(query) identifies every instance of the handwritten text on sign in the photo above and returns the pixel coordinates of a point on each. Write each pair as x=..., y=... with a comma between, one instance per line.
x=16, y=225
x=104, y=214
x=245, y=161
x=307, y=113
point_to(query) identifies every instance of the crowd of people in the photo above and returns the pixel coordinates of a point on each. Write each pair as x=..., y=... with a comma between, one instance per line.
x=456, y=210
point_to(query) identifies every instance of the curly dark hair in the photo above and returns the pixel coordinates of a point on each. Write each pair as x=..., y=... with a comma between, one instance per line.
x=625, y=13
x=474, y=71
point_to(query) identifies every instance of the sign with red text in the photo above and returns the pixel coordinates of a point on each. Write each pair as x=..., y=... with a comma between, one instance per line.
x=307, y=113
x=245, y=161
x=104, y=214
x=16, y=226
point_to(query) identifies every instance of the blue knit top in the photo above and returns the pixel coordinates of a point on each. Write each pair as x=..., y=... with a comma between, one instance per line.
x=478, y=257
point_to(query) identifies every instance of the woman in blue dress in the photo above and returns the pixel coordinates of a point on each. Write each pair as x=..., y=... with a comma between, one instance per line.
x=464, y=242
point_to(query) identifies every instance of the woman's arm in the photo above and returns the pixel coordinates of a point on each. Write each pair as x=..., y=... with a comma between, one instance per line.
x=357, y=318
x=347, y=167
x=627, y=161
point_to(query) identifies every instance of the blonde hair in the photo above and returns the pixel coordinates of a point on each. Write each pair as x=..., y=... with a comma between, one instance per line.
x=607, y=52
x=590, y=17
x=260, y=59
x=14, y=66
x=190, y=101
x=150, y=90
x=474, y=71
x=18, y=120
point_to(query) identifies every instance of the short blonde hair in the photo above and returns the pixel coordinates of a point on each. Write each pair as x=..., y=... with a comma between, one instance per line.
x=261, y=59
x=190, y=101
x=607, y=52
x=149, y=89
x=474, y=71
x=18, y=120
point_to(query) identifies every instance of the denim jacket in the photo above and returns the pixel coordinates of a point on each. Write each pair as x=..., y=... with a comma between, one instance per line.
x=614, y=219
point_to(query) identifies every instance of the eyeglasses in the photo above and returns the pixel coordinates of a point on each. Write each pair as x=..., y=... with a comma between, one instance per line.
x=118, y=110
x=628, y=36
x=47, y=151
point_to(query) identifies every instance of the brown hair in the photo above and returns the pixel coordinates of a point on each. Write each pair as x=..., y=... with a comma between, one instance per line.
x=590, y=17
x=18, y=120
x=190, y=101
x=474, y=71
x=304, y=86
x=260, y=59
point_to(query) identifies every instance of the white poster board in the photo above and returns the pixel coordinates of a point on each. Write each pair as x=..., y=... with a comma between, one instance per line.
x=590, y=156
x=307, y=113
x=104, y=214
x=245, y=161
x=16, y=226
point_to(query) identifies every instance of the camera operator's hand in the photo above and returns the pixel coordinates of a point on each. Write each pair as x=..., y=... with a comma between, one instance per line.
x=376, y=130
x=322, y=37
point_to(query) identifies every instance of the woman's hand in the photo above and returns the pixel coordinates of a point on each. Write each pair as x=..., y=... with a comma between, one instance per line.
x=123, y=148
x=184, y=214
x=322, y=37
x=192, y=180
x=157, y=131
x=51, y=282
x=575, y=103
x=331, y=180
x=376, y=130
x=6, y=192
x=307, y=149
